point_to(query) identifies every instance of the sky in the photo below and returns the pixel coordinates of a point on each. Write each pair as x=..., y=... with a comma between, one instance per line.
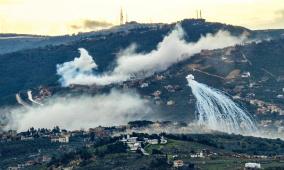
x=57, y=17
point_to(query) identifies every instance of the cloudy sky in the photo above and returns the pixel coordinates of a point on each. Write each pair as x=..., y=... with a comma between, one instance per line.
x=56, y=17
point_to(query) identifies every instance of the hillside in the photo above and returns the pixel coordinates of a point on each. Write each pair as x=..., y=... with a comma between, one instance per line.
x=31, y=68
x=249, y=72
x=160, y=105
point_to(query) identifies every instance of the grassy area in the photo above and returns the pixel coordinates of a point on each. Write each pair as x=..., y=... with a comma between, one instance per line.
x=233, y=163
x=184, y=148
x=219, y=164
x=179, y=147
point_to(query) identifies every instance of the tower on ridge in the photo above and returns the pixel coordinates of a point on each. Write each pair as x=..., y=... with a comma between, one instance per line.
x=121, y=17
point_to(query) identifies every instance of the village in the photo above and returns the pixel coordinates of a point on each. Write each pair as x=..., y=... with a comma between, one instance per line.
x=135, y=142
x=175, y=144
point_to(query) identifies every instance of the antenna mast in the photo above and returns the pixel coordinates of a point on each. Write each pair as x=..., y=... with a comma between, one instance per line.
x=126, y=17
x=196, y=14
x=121, y=16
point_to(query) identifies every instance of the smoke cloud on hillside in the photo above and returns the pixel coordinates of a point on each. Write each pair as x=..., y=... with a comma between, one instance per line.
x=83, y=65
x=130, y=64
x=115, y=108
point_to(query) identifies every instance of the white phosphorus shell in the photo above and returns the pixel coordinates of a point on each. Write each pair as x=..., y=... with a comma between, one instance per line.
x=190, y=77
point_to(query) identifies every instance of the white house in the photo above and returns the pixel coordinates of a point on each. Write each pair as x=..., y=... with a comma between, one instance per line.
x=143, y=85
x=13, y=168
x=124, y=140
x=153, y=141
x=23, y=138
x=61, y=139
x=130, y=139
x=198, y=155
x=134, y=146
x=245, y=75
x=252, y=166
x=131, y=142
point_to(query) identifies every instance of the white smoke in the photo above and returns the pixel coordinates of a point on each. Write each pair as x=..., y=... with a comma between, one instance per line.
x=20, y=100
x=130, y=64
x=82, y=65
x=30, y=97
x=115, y=108
x=218, y=112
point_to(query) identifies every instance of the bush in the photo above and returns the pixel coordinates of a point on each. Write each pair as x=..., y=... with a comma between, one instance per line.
x=156, y=151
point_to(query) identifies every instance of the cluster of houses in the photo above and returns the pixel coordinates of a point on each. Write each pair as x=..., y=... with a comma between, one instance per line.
x=134, y=144
x=206, y=153
x=264, y=108
x=157, y=97
x=43, y=93
x=61, y=136
x=38, y=159
x=7, y=136
x=203, y=153
x=60, y=139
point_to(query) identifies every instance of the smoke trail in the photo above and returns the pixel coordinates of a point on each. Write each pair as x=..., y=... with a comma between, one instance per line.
x=115, y=108
x=30, y=97
x=218, y=112
x=130, y=64
x=21, y=101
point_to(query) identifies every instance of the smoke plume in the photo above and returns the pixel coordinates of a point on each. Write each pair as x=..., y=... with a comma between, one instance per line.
x=83, y=65
x=115, y=108
x=130, y=64
x=30, y=97
x=217, y=111
x=91, y=24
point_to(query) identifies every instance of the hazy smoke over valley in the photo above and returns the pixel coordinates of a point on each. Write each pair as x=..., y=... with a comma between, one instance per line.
x=115, y=108
x=130, y=64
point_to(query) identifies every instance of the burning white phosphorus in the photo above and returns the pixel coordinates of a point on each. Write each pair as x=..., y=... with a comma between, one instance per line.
x=30, y=96
x=217, y=111
x=21, y=101
x=130, y=64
